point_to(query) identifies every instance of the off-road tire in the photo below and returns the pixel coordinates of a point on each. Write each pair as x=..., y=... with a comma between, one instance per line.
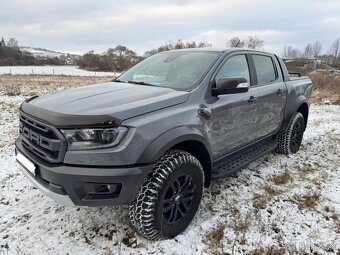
x=146, y=213
x=289, y=142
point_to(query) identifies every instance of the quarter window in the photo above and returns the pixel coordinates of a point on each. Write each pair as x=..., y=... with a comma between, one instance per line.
x=265, y=70
x=236, y=66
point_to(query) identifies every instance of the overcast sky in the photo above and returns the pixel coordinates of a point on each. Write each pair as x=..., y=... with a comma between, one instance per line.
x=82, y=25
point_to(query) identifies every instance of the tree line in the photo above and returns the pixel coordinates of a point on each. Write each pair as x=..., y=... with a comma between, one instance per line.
x=11, y=55
x=252, y=42
x=313, y=50
x=121, y=58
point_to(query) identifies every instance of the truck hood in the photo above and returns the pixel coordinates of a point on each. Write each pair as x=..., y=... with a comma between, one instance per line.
x=100, y=104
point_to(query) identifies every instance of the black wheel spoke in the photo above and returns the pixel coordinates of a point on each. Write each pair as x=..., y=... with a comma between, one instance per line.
x=184, y=204
x=168, y=207
x=178, y=199
x=188, y=191
x=181, y=212
x=185, y=199
x=185, y=182
x=296, y=136
x=178, y=184
x=173, y=188
x=172, y=213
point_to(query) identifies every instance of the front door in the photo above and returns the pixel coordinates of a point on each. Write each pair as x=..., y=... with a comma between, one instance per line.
x=234, y=115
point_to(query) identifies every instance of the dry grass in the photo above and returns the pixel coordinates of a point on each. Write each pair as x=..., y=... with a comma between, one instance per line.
x=272, y=191
x=325, y=85
x=309, y=201
x=214, y=238
x=333, y=214
x=12, y=90
x=260, y=201
x=336, y=219
x=31, y=85
x=242, y=223
x=271, y=250
x=283, y=178
x=306, y=170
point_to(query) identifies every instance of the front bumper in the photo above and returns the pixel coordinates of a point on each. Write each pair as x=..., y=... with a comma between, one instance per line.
x=68, y=185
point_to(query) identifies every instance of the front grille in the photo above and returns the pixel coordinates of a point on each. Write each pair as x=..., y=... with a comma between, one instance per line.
x=42, y=139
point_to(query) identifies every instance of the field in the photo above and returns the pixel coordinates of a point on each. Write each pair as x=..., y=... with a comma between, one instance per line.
x=51, y=70
x=277, y=205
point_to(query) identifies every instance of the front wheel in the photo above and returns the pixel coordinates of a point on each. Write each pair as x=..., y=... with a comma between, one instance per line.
x=169, y=197
x=289, y=142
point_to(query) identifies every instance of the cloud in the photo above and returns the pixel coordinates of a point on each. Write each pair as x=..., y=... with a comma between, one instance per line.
x=79, y=26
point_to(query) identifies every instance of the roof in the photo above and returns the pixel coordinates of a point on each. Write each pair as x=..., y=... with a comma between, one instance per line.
x=209, y=49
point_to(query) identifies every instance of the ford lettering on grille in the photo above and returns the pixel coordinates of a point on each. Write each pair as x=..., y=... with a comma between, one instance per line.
x=41, y=139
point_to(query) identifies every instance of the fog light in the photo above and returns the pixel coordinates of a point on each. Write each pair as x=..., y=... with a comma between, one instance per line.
x=101, y=188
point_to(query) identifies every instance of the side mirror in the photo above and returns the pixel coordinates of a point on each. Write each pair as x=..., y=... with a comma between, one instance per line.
x=230, y=85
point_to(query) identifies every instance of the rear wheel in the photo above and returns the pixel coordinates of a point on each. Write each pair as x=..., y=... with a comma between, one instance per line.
x=169, y=197
x=289, y=142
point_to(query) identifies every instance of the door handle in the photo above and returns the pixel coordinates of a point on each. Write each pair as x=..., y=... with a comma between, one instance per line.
x=279, y=92
x=252, y=99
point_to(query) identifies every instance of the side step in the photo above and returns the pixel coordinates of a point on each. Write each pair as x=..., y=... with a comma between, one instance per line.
x=242, y=158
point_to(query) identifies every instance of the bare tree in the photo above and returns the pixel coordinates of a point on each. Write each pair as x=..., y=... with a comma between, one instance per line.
x=335, y=50
x=122, y=58
x=254, y=43
x=308, y=51
x=236, y=42
x=204, y=45
x=290, y=52
x=2, y=42
x=176, y=45
x=12, y=43
x=316, y=49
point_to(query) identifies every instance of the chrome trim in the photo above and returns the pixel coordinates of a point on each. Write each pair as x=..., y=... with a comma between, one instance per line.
x=243, y=85
x=58, y=198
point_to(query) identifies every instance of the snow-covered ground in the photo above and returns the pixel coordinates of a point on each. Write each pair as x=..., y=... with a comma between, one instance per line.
x=277, y=205
x=51, y=70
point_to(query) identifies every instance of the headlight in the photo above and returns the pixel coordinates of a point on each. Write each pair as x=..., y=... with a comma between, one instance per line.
x=93, y=138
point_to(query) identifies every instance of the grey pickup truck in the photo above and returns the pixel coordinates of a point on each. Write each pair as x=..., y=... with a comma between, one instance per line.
x=157, y=135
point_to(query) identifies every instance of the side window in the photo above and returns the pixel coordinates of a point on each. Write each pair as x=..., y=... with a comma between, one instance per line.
x=236, y=66
x=265, y=70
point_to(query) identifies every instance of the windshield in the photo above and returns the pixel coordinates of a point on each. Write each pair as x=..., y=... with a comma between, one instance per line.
x=179, y=70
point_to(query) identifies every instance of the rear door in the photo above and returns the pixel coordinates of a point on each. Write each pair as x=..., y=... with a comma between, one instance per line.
x=234, y=115
x=272, y=93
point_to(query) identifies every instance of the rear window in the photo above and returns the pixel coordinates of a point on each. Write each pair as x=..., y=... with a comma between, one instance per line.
x=265, y=70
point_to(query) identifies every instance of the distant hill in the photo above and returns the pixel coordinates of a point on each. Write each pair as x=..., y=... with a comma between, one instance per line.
x=40, y=52
x=47, y=54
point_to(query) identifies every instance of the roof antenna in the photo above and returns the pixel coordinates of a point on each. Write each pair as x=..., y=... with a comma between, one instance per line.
x=237, y=43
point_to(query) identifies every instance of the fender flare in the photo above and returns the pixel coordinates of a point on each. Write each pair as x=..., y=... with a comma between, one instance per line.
x=171, y=138
x=290, y=110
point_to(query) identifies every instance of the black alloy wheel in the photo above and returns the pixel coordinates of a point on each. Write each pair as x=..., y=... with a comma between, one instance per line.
x=178, y=199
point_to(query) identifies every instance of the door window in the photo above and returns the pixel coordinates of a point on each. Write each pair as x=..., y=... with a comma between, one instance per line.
x=265, y=70
x=236, y=66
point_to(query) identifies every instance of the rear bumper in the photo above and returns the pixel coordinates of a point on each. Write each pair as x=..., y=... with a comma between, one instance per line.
x=69, y=185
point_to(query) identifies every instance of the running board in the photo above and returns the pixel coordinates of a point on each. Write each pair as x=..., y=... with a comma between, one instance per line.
x=242, y=158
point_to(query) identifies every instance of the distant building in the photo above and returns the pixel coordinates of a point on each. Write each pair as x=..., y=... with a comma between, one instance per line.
x=301, y=65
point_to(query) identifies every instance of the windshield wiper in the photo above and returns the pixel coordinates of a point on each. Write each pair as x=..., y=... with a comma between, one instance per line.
x=142, y=83
x=117, y=80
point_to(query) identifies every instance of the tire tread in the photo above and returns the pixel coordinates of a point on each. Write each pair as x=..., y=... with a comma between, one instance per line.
x=284, y=139
x=142, y=210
